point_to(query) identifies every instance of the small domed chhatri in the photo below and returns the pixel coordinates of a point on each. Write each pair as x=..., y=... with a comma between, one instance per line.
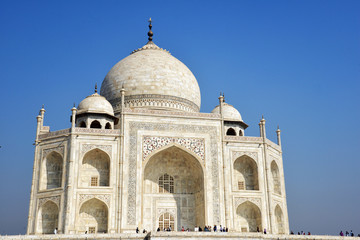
x=152, y=79
x=95, y=103
x=229, y=112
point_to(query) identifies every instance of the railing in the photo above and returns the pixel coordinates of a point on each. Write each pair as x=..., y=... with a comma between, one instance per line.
x=243, y=139
x=170, y=113
x=79, y=130
x=54, y=134
x=96, y=130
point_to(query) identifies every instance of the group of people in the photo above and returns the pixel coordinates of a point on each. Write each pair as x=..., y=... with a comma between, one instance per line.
x=348, y=234
x=300, y=233
x=210, y=229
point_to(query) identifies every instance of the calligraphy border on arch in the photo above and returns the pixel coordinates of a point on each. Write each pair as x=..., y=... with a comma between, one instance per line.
x=152, y=143
x=133, y=133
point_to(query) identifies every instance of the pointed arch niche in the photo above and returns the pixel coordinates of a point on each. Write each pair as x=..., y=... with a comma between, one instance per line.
x=51, y=171
x=173, y=179
x=48, y=216
x=276, y=177
x=93, y=217
x=248, y=217
x=245, y=174
x=279, y=219
x=95, y=169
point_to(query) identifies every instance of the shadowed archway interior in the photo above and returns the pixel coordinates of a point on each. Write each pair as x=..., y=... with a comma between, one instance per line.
x=173, y=184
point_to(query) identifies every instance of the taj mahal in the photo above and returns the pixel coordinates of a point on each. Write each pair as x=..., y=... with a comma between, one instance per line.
x=140, y=154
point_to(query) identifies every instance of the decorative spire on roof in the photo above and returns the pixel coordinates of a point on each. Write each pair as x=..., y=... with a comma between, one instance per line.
x=95, y=87
x=150, y=45
x=150, y=33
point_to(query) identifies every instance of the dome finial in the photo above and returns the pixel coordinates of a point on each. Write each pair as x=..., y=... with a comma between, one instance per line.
x=150, y=33
x=95, y=87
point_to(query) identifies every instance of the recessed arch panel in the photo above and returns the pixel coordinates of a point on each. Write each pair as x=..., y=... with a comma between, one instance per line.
x=93, y=216
x=248, y=217
x=245, y=174
x=95, y=169
x=48, y=216
x=51, y=171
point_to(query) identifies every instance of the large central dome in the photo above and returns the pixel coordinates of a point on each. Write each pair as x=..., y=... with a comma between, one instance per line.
x=154, y=79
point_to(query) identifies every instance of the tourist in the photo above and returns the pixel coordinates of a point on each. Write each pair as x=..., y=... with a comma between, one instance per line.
x=137, y=230
x=292, y=233
x=346, y=233
x=221, y=229
x=196, y=229
x=264, y=230
x=158, y=229
x=227, y=229
x=182, y=229
x=200, y=229
x=215, y=228
x=341, y=233
x=144, y=231
x=257, y=229
x=55, y=231
x=309, y=233
x=351, y=233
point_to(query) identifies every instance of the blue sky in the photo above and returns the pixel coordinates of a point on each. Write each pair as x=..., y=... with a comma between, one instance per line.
x=296, y=62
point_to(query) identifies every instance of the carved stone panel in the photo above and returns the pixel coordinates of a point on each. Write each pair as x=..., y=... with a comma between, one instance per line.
x=55, y=199
x=240, y=200
x=87, y=147
x=103, y=197
x=58, y=149
x=152, y=143
x=236, y=155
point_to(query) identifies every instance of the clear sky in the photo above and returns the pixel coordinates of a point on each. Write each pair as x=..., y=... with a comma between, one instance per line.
x=296, y=62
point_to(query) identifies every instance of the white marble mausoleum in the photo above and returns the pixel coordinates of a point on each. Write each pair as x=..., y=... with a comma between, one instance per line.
x=141, y=154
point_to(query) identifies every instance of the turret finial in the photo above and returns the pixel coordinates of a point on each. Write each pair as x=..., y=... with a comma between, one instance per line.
x=42, y=106
x=74, y=104
x=95, y=87
x=150, y=33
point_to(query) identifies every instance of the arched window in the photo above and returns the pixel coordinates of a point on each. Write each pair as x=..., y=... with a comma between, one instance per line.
x=166, y=220
x=83, y=124
x=241, y=133
x=95, y=124
x=166, y=184
x=231, y=132
x=108, y=126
